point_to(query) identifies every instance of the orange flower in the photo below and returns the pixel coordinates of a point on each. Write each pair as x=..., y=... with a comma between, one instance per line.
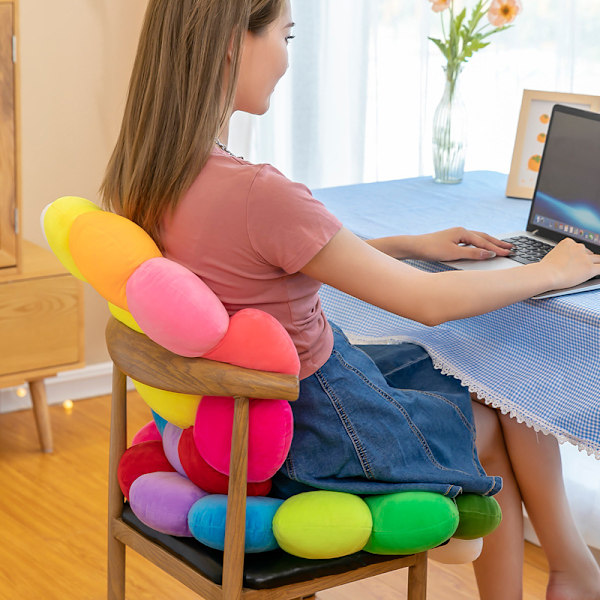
x=439, y=5
x=503, y=12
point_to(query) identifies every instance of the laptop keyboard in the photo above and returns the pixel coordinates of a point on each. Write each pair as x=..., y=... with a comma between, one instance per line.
x=526, y=250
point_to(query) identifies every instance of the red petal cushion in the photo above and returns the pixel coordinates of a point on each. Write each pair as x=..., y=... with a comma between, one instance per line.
x=145, y=457
x=204, y=476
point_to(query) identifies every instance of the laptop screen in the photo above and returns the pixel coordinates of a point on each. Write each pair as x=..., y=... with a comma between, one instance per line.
x=566, y=201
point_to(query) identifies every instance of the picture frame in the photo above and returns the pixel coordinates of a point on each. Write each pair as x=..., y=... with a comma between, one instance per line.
x=536, y=108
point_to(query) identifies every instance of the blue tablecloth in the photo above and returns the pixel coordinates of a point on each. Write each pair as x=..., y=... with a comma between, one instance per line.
x=537, y=360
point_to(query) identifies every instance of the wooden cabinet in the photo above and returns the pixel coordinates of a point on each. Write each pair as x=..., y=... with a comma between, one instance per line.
x=8, y=176
x=41, y=305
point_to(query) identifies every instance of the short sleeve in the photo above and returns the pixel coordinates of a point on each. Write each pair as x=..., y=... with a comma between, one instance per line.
x=287, y=225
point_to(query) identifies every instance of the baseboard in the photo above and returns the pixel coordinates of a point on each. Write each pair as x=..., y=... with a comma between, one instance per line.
x=88, y=382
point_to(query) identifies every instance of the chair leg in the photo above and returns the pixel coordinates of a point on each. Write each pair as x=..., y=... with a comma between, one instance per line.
x=37, y=390
x=235, y=525
x=417, y=579
x=118, y=443
x=116, y=569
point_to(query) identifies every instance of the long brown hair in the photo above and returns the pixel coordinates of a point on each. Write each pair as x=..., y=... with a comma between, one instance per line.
x=176, y=104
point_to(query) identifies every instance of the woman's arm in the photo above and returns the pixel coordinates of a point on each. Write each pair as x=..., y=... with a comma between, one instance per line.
x=450, y=244
x=357, y=268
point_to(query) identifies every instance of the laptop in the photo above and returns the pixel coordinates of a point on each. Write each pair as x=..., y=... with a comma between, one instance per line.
x=566, y=200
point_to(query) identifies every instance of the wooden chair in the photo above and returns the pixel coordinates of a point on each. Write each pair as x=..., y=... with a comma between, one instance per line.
x=228, y=575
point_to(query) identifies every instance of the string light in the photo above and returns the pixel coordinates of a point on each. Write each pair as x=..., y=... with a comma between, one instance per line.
x=21, y=392
x=68, y=406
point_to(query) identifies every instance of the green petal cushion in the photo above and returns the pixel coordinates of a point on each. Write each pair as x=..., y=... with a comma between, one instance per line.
x=409, y=522
x=479, y=515
x=322, y=524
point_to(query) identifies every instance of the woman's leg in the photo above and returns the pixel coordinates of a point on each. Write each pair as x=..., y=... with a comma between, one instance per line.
x=536, y=463
x=499, y=569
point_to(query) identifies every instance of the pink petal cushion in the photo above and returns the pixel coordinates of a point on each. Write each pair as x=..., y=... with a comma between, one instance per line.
x=175, y=308
x=170, y=441
x=270, y=436
x=145, y=457
x=204, y=476
x=256, y=340
x=163, y=500
x=147, y=433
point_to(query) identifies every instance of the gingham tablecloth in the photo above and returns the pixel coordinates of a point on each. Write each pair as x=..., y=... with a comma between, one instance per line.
x=537, y=360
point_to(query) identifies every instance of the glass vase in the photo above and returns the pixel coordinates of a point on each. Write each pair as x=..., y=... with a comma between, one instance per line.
x=450, y=134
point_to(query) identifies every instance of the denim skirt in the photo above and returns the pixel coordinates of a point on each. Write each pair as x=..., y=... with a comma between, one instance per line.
x=382, y=419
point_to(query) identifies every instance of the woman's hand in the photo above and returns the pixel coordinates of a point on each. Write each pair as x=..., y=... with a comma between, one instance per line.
x=571, y=263
x=457, y=243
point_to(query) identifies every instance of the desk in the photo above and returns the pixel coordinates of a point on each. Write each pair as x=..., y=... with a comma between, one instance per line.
x=537, y=360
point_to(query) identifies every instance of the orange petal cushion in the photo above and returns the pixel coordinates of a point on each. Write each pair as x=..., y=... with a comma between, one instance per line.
x=107, y=249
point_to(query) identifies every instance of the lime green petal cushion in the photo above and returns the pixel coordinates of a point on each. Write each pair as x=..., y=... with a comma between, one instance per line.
x=409, y=522
x=479, y=515
x=322, y=524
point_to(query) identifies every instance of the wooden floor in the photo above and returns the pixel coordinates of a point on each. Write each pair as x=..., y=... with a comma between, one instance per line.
x=53, y=515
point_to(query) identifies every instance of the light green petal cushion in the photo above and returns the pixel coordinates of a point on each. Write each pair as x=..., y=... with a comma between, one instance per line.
x=409, y=522
x=479, y=515
x=322, y=524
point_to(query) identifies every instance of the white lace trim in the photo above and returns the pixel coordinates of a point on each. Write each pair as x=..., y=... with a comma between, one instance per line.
x=488, y=396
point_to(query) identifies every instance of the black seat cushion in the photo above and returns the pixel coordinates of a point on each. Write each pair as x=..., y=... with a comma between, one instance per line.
x=261, y=571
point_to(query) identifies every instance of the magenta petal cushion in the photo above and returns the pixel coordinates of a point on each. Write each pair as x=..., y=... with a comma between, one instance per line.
x=269, y=441
x=175, y=308
x=256, y=340
x=163, y=500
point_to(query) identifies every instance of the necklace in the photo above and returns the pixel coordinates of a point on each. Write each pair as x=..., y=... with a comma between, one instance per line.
x=223, y=147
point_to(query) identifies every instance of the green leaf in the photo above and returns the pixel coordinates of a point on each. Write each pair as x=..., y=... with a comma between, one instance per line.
x=442, y=46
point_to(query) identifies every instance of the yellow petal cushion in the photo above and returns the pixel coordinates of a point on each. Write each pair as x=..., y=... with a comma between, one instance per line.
x=178, y=409
x=57, y=219
x=322, y=524
x=107, y=249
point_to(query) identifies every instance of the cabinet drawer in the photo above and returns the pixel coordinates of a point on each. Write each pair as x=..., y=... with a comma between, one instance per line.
x=40, y=323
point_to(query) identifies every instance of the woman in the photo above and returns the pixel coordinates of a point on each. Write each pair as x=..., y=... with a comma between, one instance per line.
x=369, y=419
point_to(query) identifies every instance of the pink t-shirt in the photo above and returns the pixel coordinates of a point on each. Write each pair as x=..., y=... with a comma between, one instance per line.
x=246, y=230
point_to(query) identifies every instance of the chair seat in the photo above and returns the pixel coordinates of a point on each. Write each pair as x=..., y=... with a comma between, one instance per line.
x=261, y=571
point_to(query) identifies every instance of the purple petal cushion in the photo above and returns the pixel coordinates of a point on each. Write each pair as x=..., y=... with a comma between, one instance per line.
x=163, y=500
x=270, y=436
x=170, y=441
